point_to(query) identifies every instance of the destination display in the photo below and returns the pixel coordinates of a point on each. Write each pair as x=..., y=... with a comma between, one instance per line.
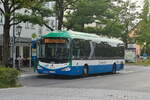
x=54, y=41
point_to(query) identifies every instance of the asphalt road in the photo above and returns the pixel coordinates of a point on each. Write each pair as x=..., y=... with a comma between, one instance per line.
x=133, y=83
x=132, y=78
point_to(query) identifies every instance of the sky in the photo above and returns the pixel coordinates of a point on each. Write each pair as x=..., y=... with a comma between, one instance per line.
x=139, y=4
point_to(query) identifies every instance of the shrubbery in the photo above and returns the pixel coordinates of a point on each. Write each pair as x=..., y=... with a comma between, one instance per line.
x=8, y=77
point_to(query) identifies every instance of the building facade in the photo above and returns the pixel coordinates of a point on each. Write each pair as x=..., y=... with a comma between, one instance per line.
x=23, y=43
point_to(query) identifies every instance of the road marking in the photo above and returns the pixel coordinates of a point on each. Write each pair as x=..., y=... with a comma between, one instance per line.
x=125, y=71
x=27, y=75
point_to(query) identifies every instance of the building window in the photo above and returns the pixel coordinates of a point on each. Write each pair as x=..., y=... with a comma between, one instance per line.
x=26, y=55
x=17, y=51
x=26, y=52
x=32, y=26
x=27, y=25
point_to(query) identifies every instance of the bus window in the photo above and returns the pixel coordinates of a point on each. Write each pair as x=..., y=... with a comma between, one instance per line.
x=76, y=49
x=103, y=51
x=81, y=49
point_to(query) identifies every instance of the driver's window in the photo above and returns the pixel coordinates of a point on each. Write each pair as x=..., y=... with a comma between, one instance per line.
x=76, y=49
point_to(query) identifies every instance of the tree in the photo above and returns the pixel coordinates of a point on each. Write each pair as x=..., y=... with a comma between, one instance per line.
x=34, y=35
x=60, y=7
x=144, y=26
x=128, y=16
x=34, y=12
x=113, y=26
x=86, y=12
x=114, y=18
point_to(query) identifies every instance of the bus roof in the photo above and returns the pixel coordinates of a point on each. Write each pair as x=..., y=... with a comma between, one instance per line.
x=84, y=36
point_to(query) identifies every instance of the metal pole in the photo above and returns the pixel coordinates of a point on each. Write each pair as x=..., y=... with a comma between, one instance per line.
x=19, y=58
x=30, y=57
x=18, y=28
x=14, y=47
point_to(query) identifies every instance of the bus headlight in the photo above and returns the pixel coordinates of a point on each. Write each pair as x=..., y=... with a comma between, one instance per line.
x=38, y=67
x=66, y=69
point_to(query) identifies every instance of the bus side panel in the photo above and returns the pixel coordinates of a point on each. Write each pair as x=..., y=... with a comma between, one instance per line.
x=120, y=67
x=75, y=70
x=95, y=69
x=78, y=70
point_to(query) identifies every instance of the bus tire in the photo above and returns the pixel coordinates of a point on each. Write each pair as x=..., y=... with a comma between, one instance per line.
x=114, y=69
x=85, y=70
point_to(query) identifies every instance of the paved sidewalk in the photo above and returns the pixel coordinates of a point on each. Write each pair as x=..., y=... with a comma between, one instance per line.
x=27, y=72
x=31, y=93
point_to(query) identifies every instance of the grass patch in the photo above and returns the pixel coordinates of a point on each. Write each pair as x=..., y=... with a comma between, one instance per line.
x=141, y=62
x=9, y=77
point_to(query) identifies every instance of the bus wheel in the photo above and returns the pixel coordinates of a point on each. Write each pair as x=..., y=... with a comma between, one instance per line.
x=114, y=69
x=85, y=70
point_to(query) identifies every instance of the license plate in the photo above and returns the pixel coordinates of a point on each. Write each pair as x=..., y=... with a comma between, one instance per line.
x=51, y=71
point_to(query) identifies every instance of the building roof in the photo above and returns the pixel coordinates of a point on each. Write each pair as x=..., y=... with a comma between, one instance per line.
x=84, y=36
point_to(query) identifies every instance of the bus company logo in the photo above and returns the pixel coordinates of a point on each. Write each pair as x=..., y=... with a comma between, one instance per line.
x=46, y=65
x=52, y=66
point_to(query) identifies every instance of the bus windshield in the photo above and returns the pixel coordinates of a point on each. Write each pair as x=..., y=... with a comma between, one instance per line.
x=54, y=50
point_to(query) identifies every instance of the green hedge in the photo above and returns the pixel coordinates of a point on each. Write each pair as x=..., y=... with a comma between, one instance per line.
x=8, y=77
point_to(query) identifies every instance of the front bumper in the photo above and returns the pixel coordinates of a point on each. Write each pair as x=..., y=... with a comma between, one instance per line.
x=61, y=71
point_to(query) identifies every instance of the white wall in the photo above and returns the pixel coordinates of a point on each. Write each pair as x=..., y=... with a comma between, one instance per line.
x=28, y=29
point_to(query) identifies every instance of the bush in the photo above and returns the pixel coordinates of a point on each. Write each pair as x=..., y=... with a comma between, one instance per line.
x=8, y=77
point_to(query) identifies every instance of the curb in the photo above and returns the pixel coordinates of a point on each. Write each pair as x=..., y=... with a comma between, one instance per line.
x=27, y=75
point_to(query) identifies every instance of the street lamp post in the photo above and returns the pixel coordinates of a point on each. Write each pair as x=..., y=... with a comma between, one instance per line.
x=18, y=32
x=14, y=47
x=144, y=53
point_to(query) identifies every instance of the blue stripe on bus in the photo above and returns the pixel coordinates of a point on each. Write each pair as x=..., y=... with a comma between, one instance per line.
x=78, y=70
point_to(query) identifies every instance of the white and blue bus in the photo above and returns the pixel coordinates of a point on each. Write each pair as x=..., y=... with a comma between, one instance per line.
x=76, y=53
